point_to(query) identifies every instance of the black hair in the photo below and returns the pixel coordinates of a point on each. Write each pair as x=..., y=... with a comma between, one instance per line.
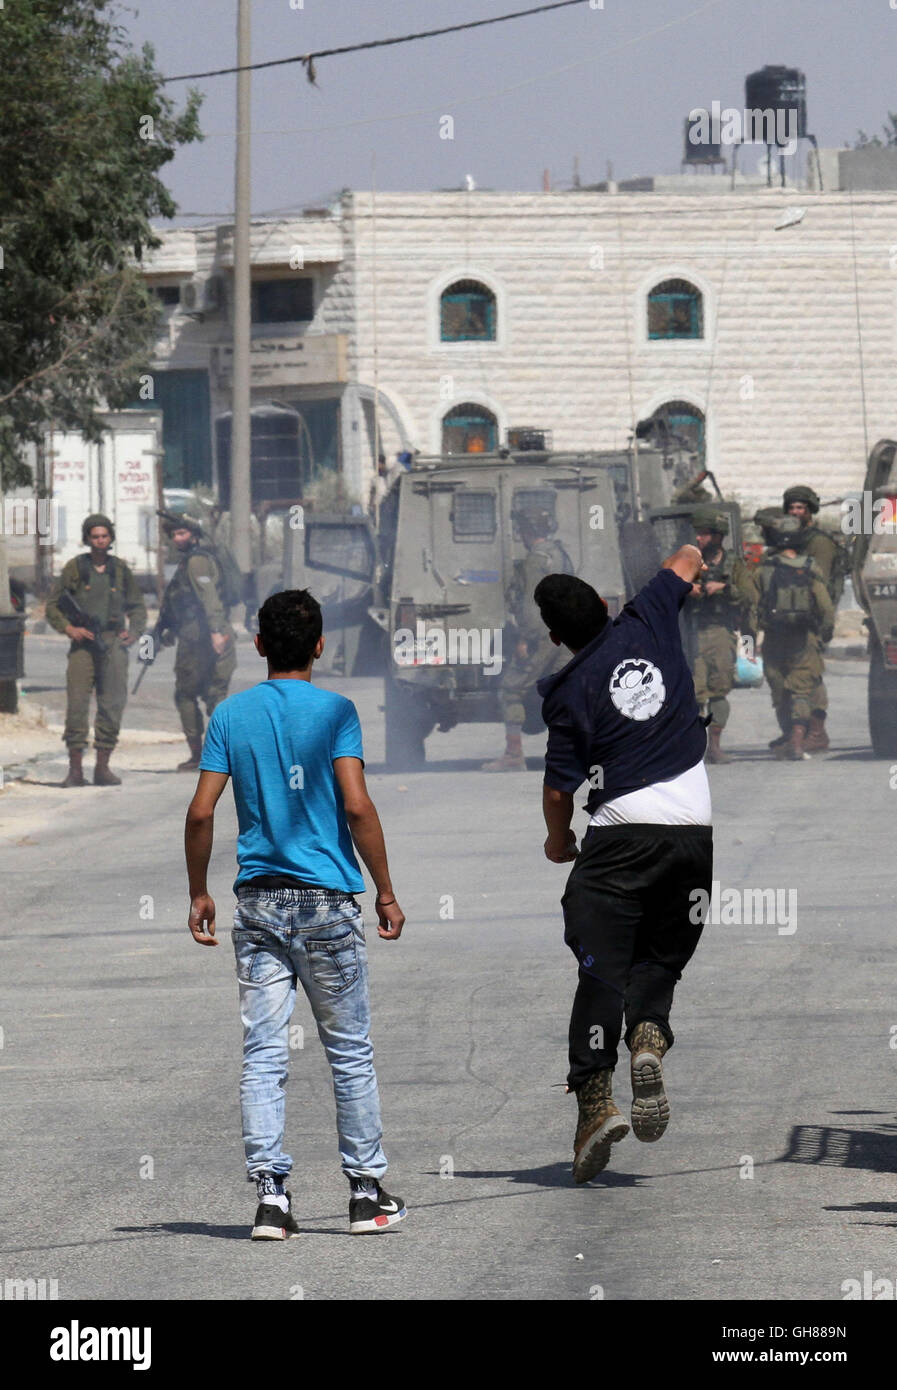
x=571, y=609
x=290, y=624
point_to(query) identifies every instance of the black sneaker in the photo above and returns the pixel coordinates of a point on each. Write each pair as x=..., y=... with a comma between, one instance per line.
x=273, y=1224
x=373, y=1214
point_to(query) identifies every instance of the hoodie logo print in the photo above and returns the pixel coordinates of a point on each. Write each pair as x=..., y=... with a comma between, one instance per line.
x=637, y=689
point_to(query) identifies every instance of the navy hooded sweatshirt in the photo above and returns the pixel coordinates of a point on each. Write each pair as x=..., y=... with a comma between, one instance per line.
x=622, y=714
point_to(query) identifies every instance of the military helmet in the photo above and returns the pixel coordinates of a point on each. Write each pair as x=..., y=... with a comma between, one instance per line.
x=787, y=534
x=801, y=493
x=95, y=519
x=177, y=521
x=710, y=519
x=537, y=520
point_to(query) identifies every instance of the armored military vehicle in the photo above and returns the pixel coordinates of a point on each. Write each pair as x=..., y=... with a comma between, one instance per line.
x=424, y=601
x=875, y=586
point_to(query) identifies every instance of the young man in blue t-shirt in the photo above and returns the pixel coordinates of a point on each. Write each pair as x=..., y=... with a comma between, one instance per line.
x=622, y=716
x=295, y=756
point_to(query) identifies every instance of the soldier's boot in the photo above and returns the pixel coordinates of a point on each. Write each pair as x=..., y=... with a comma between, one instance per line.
x=794, y=751
x=512, y=760
x=75, y=776
x=650, y=1107
x=600, y=1125
x=780, y=741
x=817, y=739
x=192, y=763
x=103, y=776
x=715, y=753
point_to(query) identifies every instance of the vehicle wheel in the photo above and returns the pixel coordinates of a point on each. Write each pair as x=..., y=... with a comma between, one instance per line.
x=882, y=706
x=407, y=725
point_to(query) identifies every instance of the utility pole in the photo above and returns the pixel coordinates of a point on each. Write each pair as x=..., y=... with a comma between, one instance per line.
x=240, y=453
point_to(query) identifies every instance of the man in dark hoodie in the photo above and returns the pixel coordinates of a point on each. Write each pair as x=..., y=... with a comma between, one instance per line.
x=622, y=716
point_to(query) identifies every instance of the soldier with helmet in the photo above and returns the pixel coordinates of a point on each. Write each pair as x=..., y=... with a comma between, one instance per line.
x=97, y=604
x=797, y=616
x=197, y=617
x=803, y=503
x=722, y=601
x=535, y=655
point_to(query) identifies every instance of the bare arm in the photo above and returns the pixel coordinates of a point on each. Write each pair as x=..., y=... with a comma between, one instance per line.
x=367, y=834
x=687, y=562
x=557, y=808
x=198, y=832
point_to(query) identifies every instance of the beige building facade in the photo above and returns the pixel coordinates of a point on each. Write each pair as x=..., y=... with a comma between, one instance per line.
x=761, y=321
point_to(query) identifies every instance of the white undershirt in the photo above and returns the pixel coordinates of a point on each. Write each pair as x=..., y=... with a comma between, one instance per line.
x=682, y=800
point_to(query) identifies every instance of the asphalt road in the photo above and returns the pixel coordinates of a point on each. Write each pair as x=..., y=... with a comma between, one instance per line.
x=121, y=1045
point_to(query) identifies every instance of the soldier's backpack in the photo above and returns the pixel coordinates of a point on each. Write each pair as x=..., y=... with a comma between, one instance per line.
x=231, y=584
x=788, y=602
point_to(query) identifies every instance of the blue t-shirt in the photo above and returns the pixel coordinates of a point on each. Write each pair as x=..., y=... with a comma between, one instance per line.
x=277, y=742
x=622, y=714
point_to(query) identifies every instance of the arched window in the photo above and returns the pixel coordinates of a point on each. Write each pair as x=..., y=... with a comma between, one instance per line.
x=467, y=313
x=469, y=429
x=675, y=310
x=684, y=419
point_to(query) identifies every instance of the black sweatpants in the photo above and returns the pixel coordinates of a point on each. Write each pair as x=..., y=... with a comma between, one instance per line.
x=632, y=918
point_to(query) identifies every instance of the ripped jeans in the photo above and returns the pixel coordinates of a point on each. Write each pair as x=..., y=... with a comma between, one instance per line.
x=315, y=937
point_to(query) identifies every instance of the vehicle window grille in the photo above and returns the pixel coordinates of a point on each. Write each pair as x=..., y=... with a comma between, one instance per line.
x=473, y=516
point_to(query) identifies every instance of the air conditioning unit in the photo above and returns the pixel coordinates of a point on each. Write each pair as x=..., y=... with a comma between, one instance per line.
x=202, y=296
x=528, y=439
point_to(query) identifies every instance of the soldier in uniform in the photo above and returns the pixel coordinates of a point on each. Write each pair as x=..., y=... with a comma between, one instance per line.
x=197, y=616
x=797, y=616
x=722, y=600
x=803, y=503
x=106, y=591
x=535, y=655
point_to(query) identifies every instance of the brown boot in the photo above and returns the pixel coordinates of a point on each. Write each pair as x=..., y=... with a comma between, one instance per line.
x=512, y=760
x=794, y=751
x=75, y=776
x=650, y=1107
x=600, y=1125
x=102, y=776
x=817, y=740
x=715, y=754
x=192, y=763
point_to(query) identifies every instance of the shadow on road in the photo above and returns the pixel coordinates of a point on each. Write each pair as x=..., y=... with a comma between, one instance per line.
x=873, y=1150
x=551, y=1175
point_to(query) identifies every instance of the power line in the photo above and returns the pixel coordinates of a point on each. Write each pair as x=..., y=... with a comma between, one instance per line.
x=308, y=59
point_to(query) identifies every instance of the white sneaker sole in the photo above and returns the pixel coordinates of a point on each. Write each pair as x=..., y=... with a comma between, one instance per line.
x=375, y=1225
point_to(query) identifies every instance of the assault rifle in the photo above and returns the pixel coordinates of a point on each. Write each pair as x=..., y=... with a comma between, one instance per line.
x=76, y=615
x=163, y=624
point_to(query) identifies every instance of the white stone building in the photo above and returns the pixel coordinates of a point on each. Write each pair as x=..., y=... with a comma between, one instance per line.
x=442, y=320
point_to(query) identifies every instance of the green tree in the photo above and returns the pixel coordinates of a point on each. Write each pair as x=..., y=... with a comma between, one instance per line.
x=85, y=126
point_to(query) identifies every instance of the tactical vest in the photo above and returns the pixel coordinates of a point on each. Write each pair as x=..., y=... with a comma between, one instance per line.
x=788, y=602
x=116, y=583
x=554, y=552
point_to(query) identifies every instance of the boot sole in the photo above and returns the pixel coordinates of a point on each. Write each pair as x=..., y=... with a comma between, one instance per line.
x=650, y=1107
x=594, y=1154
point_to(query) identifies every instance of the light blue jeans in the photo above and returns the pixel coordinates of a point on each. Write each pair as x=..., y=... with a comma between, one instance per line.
x=314, y=936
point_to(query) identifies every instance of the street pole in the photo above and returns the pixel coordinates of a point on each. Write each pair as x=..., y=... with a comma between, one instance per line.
x=240, y=485
x=9, y=690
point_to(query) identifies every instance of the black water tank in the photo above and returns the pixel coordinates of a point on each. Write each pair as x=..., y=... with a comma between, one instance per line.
x=700, y=153
x=779, y=89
